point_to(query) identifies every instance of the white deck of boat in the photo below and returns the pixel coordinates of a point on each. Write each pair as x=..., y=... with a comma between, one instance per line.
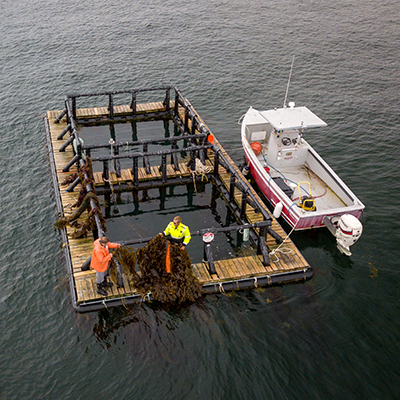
x=329, y=200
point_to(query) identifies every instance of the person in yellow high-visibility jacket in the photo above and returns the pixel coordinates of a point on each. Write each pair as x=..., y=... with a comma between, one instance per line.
x=176, y=232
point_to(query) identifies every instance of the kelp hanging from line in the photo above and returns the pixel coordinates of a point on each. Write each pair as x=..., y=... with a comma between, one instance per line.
x=81, y=229
x=176, y=287
x=83, y=203
x=126, y=257
x=84, y=169
x=69, y=179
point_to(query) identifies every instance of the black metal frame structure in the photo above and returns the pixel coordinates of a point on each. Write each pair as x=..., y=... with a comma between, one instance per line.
x=196, y=136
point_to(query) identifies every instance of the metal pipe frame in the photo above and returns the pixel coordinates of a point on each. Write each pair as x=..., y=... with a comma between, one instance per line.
x=171, y=140
x=153, y=153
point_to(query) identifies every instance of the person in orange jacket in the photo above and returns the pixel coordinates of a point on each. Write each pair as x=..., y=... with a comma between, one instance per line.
x=101, y=258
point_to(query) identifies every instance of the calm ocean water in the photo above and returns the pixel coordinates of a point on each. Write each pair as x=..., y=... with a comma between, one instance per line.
x=336, y=336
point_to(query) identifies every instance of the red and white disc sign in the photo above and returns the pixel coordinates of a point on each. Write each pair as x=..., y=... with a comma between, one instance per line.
x=208, y=237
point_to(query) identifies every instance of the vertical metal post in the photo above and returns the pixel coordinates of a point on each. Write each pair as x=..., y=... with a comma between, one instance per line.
x=107, y=207
x=167, y=100
x=214, y=196
x=74, y=108
x=163, y=196
x=134, y=131
x=232, y=188
x=133, y=104
x=106, y=173
x=117, y=163
x=111, y=105
x=146, y=163
x=243, y=205
x=166, y=129
x=202, y=152
x=112, y=132
x=174, y=157
x=112, y=169
x=135, y=197
x=192, y=160
x=262, y=247
x=176, y=105
x=164, y=168
x=208, y=256
x=190, y=193
x=193, y=125
x=135, y=171
x=78, y=145
x=186, y=127
x=216, y=163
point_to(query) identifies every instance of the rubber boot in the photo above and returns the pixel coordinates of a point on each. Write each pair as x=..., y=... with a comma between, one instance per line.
x=100, y=290
x=107, y=284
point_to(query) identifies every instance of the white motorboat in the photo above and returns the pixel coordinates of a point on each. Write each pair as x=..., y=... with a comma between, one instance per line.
x=299, y=184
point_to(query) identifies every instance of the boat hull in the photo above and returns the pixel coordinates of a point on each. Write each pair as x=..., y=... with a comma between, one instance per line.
x=339, y=200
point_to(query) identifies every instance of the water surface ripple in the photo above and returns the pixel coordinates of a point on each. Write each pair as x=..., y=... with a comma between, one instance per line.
x=335, y=336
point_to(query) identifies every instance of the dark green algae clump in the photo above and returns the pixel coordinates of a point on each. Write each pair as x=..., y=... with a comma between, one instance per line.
x=176, y=287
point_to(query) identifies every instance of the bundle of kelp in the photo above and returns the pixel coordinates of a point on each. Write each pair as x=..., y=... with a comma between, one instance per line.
x=69, y=179
x=177, y=286
x=83, y=203
x=123, y=261
x=89, y=224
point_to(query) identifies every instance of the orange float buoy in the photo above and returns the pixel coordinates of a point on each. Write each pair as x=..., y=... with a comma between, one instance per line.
x=256, y=147
x=168, y=259
x=210, y=138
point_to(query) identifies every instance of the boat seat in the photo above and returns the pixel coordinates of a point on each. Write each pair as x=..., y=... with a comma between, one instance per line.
x=283, y=186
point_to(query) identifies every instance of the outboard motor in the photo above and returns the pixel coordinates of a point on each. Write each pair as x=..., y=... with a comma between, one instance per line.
x=346, y=228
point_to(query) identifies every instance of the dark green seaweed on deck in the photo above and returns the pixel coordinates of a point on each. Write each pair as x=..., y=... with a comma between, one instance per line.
x=176, y=287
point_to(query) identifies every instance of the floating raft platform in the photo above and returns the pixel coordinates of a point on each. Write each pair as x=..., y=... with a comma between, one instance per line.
x=65, y=153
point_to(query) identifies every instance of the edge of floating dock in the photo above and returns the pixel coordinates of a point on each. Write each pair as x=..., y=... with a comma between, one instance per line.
x=235, y=274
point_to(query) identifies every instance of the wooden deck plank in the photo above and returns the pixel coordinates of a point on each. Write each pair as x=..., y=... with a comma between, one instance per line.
x=236, y=272
x=197, y=272
x=239, y=267
x=244, y=266
x=220, y=271
x=224, y=265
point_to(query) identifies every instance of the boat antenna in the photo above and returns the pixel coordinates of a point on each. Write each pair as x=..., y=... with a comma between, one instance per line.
x=287, y=87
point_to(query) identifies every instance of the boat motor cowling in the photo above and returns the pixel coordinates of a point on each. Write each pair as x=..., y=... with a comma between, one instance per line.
x=348, y=232
x=346, y=228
